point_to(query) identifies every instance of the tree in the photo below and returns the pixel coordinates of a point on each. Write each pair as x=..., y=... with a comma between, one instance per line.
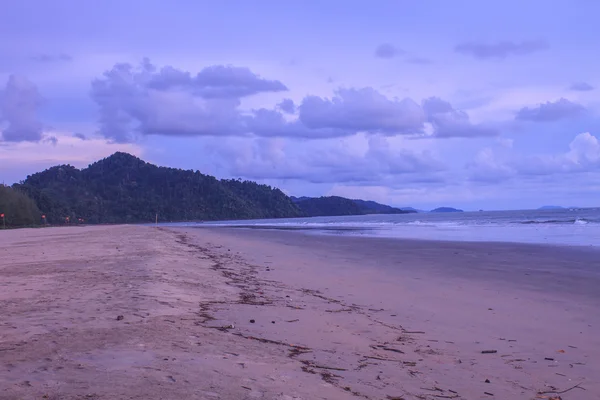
x=18, y=209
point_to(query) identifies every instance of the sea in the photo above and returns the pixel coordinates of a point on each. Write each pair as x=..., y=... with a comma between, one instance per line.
x=570, y=226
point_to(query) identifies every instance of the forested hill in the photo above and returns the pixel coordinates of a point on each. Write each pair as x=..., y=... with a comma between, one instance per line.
x=335, y=205
x=123, y=188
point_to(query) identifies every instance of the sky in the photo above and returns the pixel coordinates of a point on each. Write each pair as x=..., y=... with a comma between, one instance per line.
x=471, y=104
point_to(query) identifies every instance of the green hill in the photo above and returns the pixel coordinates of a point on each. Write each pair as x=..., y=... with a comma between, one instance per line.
x=123, y=188
x=338, y=206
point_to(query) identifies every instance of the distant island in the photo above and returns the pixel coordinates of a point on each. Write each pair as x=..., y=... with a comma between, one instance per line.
x=125, y=189
x=445, y=210
x=551, y=208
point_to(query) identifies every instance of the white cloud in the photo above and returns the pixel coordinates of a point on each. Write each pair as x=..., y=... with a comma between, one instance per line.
x=494, y=165
x=585, y=150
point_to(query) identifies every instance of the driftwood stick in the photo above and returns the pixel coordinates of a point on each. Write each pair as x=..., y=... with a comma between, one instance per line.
x=563, y=391
x=325, y=367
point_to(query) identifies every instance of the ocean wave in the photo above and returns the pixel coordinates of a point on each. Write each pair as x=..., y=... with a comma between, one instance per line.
x=576, y=221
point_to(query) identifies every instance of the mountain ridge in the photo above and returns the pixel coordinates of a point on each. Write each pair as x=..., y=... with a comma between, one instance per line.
x=338, y=206
x=123, y=188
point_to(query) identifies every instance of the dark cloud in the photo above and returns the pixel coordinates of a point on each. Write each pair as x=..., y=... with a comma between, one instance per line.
x=362, y=110
x=146, y=100
x=387, y=50
x=80, y=136
x=287, y=106
x=550, y=111
x=53, y=140
x=448, y=122
x=19, y=105
x=271, y=123
x=217, y=81
x=435, y=105
x=50, y=58
x=173, y=102
x=500, y=50
x=581, y=87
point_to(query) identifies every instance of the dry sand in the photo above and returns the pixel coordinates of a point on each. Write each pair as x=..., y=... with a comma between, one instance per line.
x=134, y=312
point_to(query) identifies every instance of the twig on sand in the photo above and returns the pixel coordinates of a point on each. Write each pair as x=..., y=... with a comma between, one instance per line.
x=293, y=320
x=405, y=331
x=454, y=395
x=391, y=349
x=489, y=351
x=382, y=359
x=313, y=365
x=263, y=340
x=562, y=391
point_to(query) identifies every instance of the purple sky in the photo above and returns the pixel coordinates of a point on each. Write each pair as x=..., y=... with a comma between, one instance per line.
x=472, y=104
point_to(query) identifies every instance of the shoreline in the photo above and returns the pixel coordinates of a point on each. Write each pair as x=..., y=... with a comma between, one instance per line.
x=581, y=261
x=310, y=231
x=534, y=312
x=228, y=314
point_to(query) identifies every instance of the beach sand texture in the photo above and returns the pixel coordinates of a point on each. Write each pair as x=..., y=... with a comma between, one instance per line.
x=138, y=312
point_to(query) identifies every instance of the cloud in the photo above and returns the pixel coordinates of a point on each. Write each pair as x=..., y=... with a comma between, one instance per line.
x=387, y=50
x=271, y=123
x=287, y=106
x=581, y=87
x=550, y=111
x=494, y=166
x=149, y=101
x=146, y=101
x=584, y=150
x=486, y=167
x=364, y=109
x=217, y=81
x=500, y=50
x=448, y=122
x=51, y=58
x=361, y=159
x=19, y=105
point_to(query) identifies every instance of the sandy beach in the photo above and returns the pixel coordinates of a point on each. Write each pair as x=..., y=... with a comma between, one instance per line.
x=137, y=312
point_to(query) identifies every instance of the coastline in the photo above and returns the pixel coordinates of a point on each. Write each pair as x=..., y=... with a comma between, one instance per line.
x=353, y=317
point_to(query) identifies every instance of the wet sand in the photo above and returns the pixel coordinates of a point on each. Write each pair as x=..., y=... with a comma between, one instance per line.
x=146, y=313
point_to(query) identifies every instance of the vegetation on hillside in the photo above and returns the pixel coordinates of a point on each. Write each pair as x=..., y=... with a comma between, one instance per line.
x=18, y=208
x=338, y=206
x=123, y=188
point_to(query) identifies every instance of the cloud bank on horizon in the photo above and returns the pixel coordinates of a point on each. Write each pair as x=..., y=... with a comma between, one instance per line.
x=390, y=103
